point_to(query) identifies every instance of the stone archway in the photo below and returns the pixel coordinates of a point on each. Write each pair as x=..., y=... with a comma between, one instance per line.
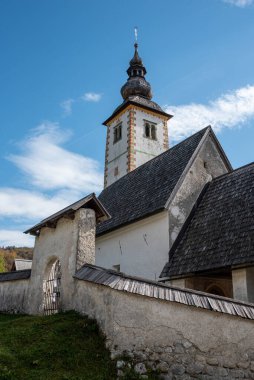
x=52, y=288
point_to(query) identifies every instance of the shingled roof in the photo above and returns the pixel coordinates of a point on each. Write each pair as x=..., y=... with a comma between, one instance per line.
x=221, y=232
x=16, y=275
x=146, y=190
x=147, y=288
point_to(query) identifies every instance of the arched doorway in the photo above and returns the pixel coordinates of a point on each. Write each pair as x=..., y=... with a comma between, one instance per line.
x=51, y=288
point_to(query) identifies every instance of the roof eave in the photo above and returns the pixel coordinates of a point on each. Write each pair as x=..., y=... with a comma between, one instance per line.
x=69, y=211
x=157, y=211
x=130, y=102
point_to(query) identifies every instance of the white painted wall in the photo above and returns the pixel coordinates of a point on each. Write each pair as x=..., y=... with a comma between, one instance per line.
x=117, y=153
x=146, y=149
x=140, y=248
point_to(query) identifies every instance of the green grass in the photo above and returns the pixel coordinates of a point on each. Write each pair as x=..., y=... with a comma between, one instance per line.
x=64, y=346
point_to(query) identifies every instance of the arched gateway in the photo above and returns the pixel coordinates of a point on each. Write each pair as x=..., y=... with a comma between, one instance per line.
x=52, y=288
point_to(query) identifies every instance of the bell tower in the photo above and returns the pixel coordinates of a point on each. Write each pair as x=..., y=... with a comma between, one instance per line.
x=137, y=130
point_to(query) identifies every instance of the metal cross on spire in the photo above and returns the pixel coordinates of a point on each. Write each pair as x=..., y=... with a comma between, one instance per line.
x=136, y=33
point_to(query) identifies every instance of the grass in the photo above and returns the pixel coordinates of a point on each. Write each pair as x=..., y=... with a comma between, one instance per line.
x=63, y=346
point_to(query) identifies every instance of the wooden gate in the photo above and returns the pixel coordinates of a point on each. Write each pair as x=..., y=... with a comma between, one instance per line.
x=51, y=289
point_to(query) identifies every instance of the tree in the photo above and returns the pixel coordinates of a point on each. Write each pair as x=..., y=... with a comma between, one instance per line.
x=2, y=263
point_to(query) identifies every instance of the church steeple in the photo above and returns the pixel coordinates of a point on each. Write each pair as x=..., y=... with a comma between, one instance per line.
x=137, y=130
x=136, y=83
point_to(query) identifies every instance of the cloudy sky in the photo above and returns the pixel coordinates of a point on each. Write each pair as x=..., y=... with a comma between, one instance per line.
x=62, y=65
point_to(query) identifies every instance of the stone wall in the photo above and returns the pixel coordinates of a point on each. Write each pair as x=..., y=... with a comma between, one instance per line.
x=207, y=165
x=72, y=242
x=13, y=296
x=174, y=340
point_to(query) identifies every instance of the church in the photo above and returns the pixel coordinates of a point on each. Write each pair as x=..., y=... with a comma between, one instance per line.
x=181, y=215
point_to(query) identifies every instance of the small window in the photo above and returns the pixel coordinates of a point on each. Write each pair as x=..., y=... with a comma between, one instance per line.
x=117, y=133
x=116, y=171
x=150, y=131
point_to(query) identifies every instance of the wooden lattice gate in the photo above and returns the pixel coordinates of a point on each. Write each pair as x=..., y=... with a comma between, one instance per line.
x=51, y=289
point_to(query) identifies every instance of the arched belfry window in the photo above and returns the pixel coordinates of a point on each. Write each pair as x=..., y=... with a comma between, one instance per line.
x=117, y=133
x=150, y=130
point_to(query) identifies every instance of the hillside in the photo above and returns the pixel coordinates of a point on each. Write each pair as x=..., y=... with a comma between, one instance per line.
x=64, y=346
x=9, y=254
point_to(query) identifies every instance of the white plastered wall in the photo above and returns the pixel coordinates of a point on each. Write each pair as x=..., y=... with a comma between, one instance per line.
x=141, y=248
x=117, y=153
x=145, y=148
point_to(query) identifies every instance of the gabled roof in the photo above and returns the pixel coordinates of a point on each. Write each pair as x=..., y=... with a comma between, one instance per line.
x=221, y=232
x=90, y=201
x=146, y=190
x=21, y=264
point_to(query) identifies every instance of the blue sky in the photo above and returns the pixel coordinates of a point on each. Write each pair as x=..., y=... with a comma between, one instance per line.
x=62, y=66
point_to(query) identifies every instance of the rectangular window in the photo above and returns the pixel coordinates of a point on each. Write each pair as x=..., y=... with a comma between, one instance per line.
x=117, y=133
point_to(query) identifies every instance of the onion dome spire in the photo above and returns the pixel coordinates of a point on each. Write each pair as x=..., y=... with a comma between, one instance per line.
x=136, y=83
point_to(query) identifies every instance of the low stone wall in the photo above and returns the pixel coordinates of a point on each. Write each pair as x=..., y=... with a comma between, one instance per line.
x=172, y=339
x=14, y=296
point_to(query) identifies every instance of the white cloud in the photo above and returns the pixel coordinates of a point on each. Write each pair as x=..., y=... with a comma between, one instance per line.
x=15, y=237
x=31, y=205
x=67, y=106
x=49, y=166
x=239, y=3
x=91, y=97
x=228, y=111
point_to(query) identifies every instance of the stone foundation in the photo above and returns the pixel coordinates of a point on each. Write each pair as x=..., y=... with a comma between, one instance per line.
x=183, y=360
